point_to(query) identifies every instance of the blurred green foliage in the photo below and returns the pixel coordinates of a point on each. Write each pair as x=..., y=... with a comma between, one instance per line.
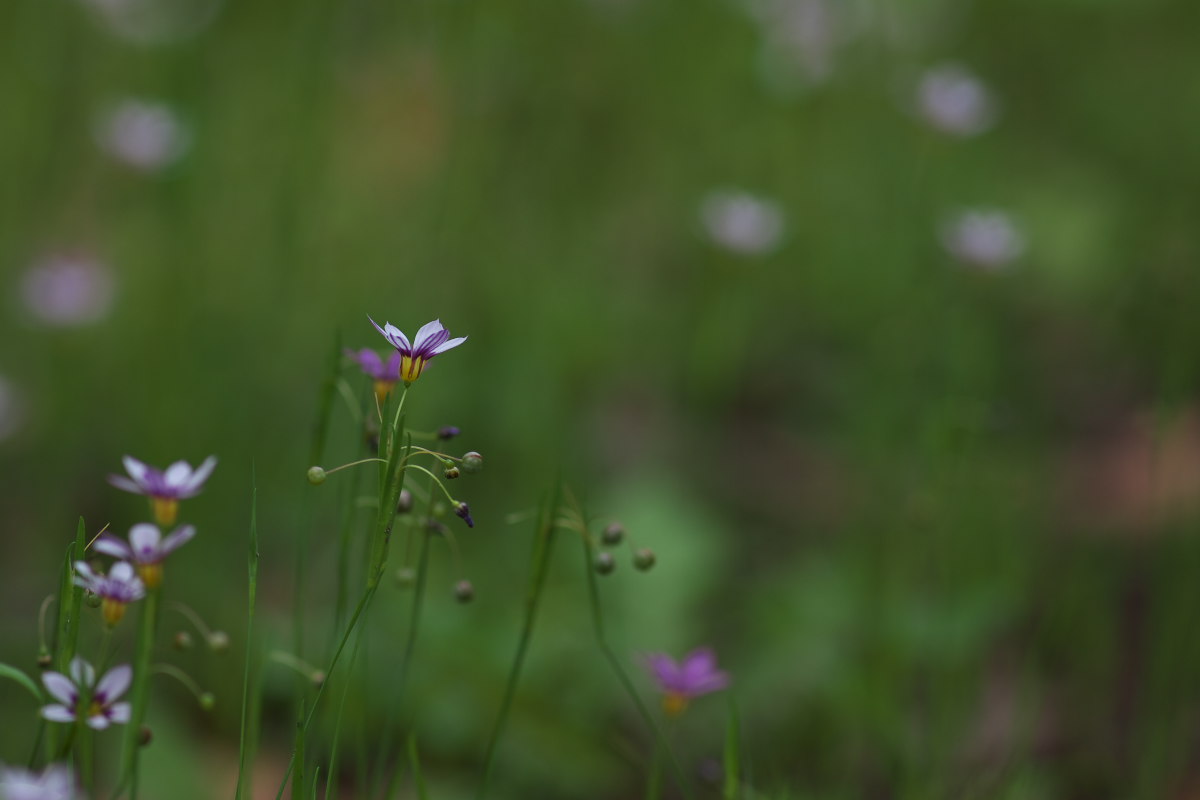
x=938, y=521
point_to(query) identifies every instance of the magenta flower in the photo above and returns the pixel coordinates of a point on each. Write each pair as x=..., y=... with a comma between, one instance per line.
x=101, y=709
x=117, y=589
x=385, y=375
x=431, y=340
x=165, y=488
x=697, y=674
x=147, y=549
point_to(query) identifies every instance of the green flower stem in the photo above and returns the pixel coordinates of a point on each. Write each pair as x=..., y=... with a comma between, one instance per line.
x=245, y=745
x=543, y=546
x=619, y=671
x=389, y=495
x=70, y=600
x=140, y=693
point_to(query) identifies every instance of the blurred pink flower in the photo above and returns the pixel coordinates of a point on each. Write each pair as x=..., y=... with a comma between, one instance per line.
x=68, y=290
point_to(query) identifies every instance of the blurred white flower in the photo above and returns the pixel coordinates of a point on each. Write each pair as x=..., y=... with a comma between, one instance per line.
x=146, y=136
x=801, y=38
x=955, y=101
x=152, y=22
x=55, y=782
x=986, y=239
x=11, y=413
x=741, y=222
x=68, y=290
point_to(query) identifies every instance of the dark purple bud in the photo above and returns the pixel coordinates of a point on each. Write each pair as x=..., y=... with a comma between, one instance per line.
x=613, y=534
x=604, y=563
x=464, y=592
x=464, y=511
x=447, y=432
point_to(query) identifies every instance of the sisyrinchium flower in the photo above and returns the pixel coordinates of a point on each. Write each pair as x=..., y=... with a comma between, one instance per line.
x=679, y=682
x=117, y=589
x=165, y=488
x=55, y=782
x=147, y=549
x=80, y=695
x=385, y=374
x=431, y=340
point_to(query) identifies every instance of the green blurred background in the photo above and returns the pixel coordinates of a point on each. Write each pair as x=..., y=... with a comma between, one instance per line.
x=930, y=491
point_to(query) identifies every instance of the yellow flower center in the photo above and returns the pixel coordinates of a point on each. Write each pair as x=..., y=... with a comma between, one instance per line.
x=165, y=509
x=151, y=574
x=410, y=368
x=382, y=390
x=674, y=703
x=112, y=610
x=95, y=709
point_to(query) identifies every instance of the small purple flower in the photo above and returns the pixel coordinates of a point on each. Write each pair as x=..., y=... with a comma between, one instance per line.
x=954, y=101
x=165, y=488
x=55, y=782
x=101, y=709
x=384, y=374
x=431, y=340
x=447, y=432
x=117, y=589
x=147, y=549
x=69, y=290
x=146, y=136
x=984, y=238
x=464, y=511
x=741, y=222
x=697, y=674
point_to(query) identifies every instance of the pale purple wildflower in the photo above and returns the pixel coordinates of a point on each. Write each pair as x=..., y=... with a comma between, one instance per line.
x=146, y=136
x=986, y=239
x=155, y=22
x=954, y=101
x=55, y=782
x=165, y=488
x=431, y=340
x=147, y=549
x=120, y=587
x=102, y=708
x=679, y=682
x=68, y=291
x=384, y=374
x=741, y=222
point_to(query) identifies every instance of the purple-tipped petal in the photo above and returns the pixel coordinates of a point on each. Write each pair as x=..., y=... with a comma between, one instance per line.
x=427, y=332
x=85, y=572
x=192, y=485
x=122, y=571
x=144, y=540
x=125, y=485
x=394, y=335
x=664, y=670
x=391, y=372
x=441, y=348
x=136, y=469
x=368, y=360
x=699, y=662
x=61, y=688
x=113, y=684
x=82, y=672
x=57, y=713
x=112, y=546
x=119, y=713
x=177, y=539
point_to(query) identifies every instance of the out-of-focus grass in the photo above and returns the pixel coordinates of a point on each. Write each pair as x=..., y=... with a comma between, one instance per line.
x=939, y=524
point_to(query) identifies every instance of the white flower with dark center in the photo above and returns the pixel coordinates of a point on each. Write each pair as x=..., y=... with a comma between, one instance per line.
x=80, y=695
x=165, y=488
x=146, y=549
x=741, y=222
x=116, y=590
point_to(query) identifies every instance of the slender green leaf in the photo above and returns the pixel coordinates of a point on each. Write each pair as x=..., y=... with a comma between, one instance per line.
x=733, y=753
x=14, y=674
x=414, y=761
x=245, y=744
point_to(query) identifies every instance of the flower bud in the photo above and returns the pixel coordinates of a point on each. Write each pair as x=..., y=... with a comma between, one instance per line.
x=448, y=432
x=144, y=736
x=218, y=641
x=207, y=701
x=316, y=476
x=404, y=503
x=604, y=563
x=439, y=509
x=318, y=679
x=93, y=600
x=405, y=576
x=451, y=472
x=182, y=641
x=44, y=661
x=613, y=534
x=472, y=462
x=644, y=559
x=464, y=511
x=464, y=592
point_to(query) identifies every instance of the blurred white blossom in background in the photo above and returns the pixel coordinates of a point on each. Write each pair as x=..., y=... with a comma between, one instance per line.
x=801, y=38
x=154, y=22
x=68, y=290
x=987, y=239
x=146, y=136
x=741, y=222
x=955, y=101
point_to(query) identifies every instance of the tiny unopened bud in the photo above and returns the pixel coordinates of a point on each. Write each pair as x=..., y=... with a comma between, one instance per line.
x=404, y=502
x=207, y=701
x=440, y=509
x=605, y=563
x=218, y=641
x=451, y=472
x=448, y=432
x=44, y=661
x=464, y=592
x=93, y=600
x=182, y=641
x=644, y=559
x=613, y=533
x=405, y=576
x=316, y=476
x=318, y=679
x=472, y=461
x=464, y=511
x=144, y=736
